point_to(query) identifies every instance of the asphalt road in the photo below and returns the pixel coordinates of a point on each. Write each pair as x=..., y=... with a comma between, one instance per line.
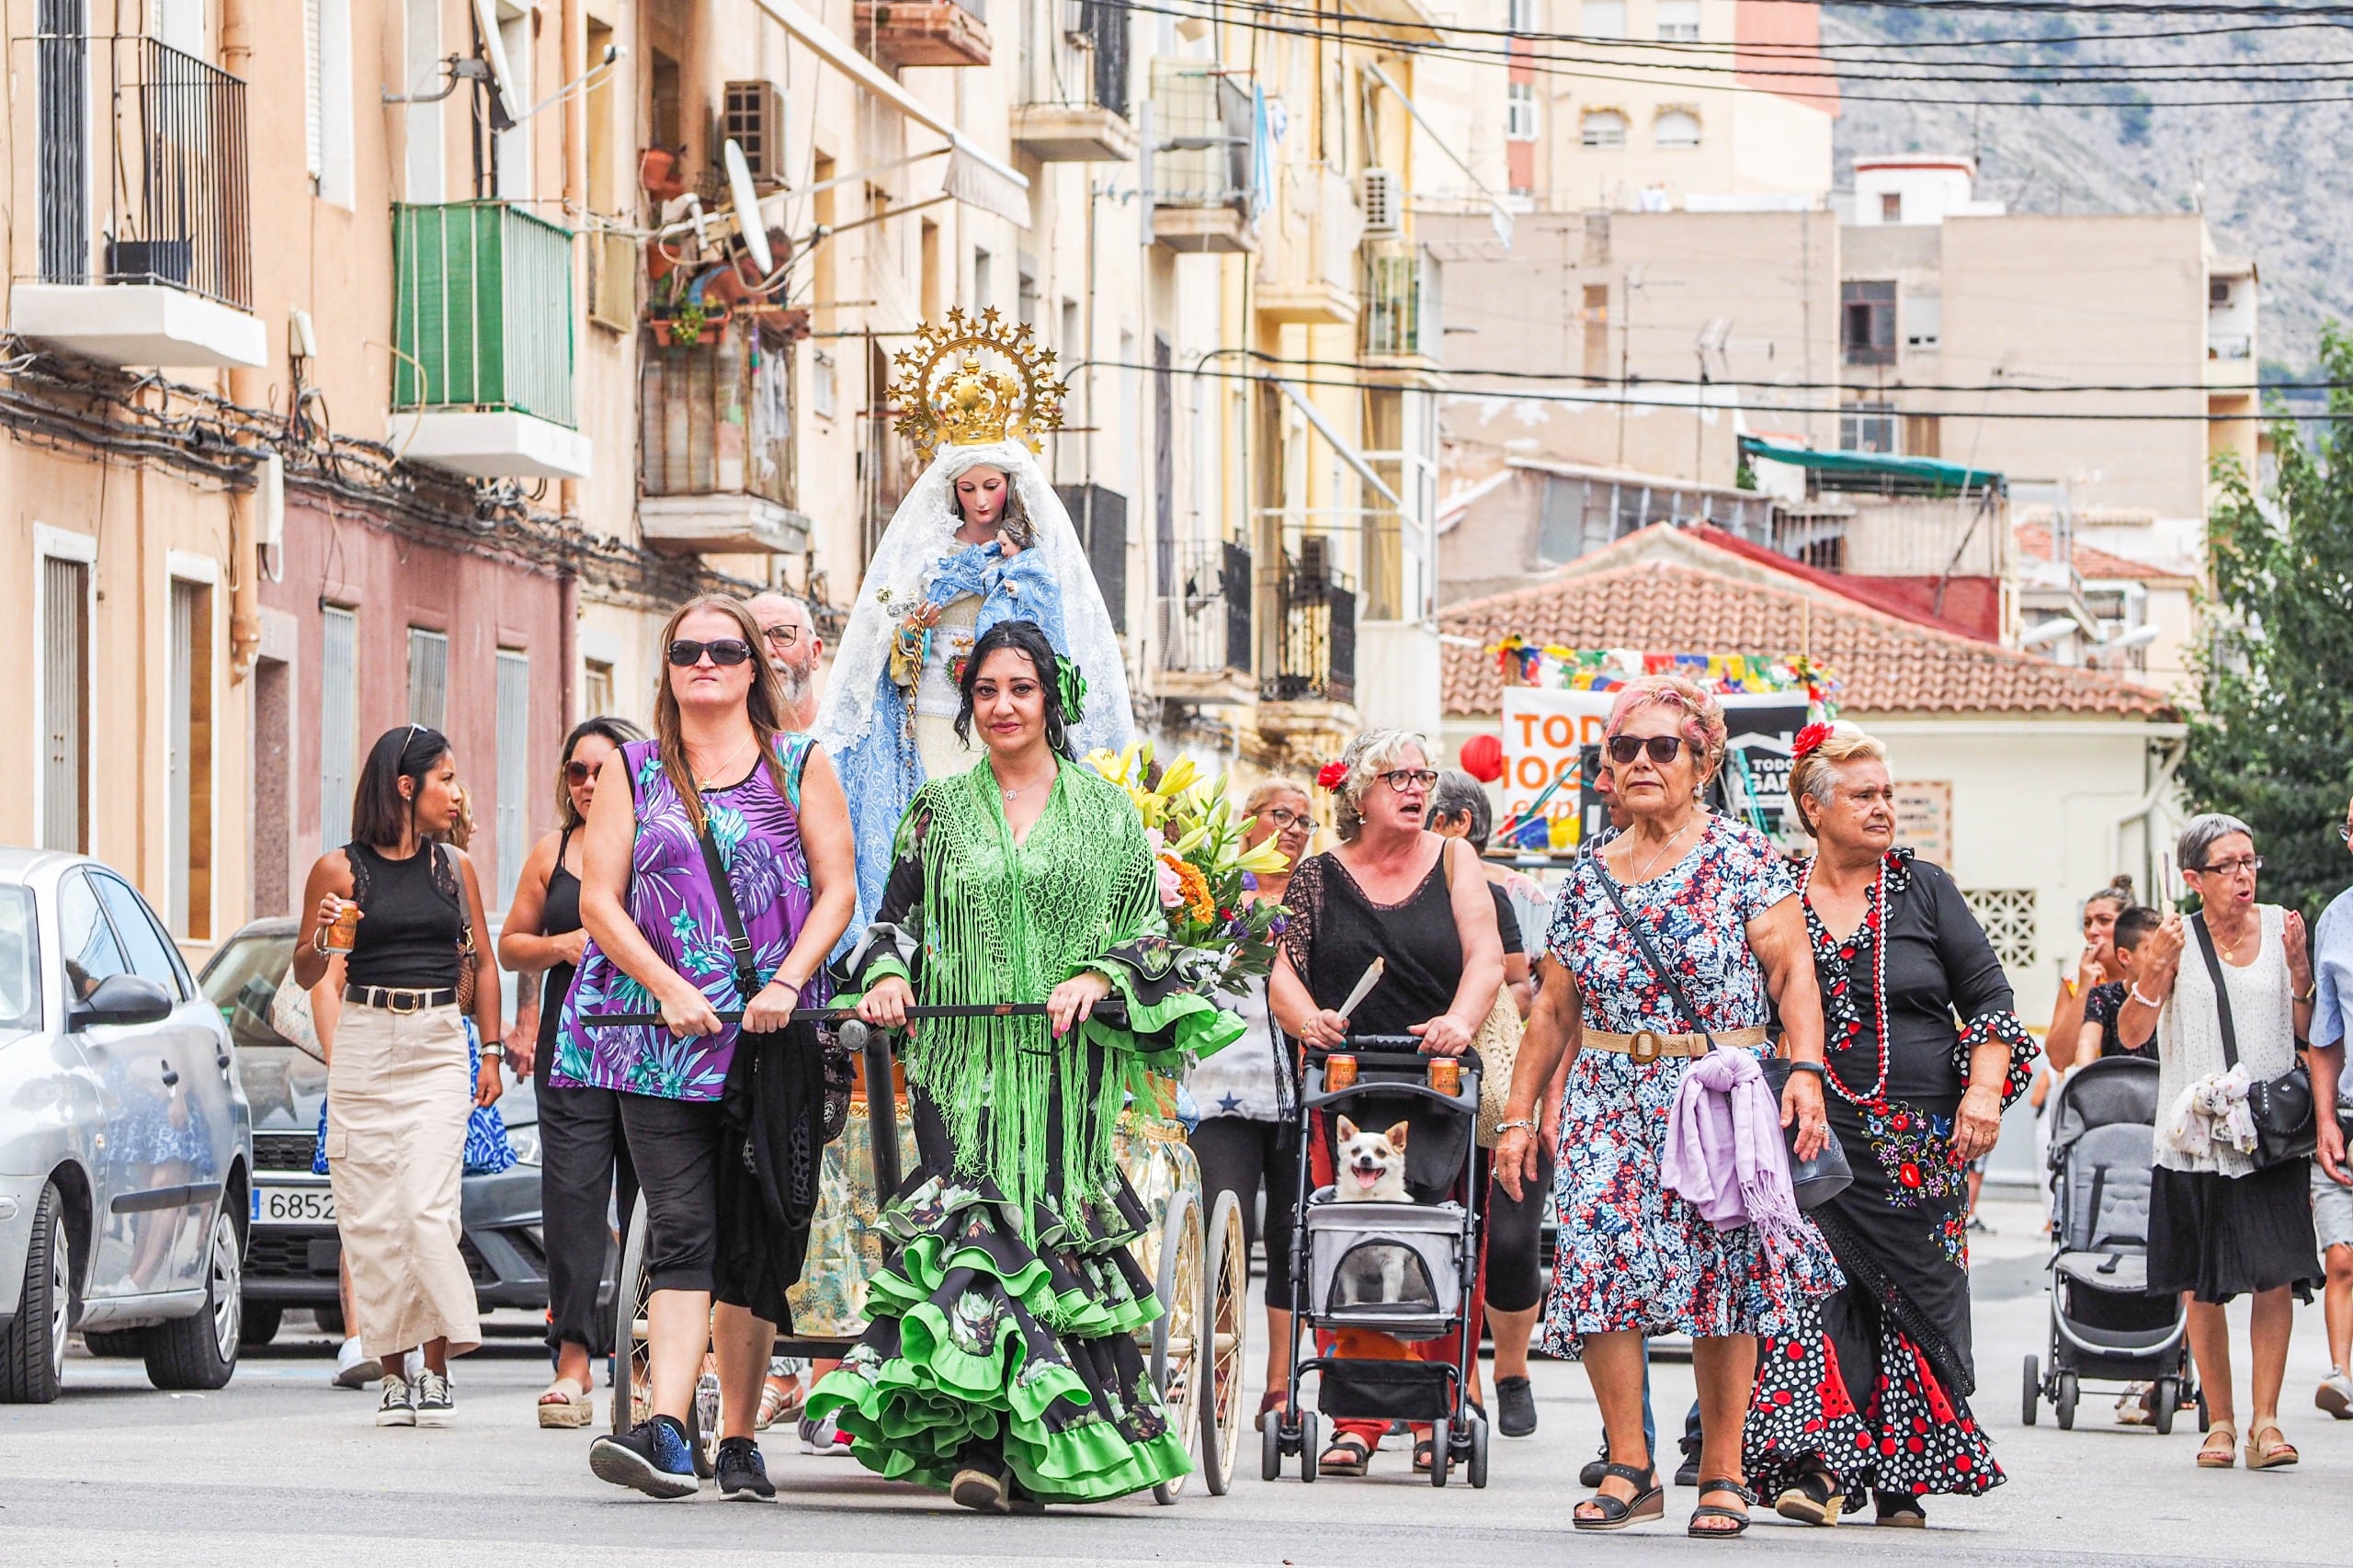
x=278, y=1468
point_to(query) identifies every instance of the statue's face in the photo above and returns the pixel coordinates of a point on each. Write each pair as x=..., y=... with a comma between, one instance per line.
x=980, y=495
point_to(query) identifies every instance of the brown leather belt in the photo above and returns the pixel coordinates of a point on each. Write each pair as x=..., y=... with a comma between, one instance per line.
x=1649, y=1045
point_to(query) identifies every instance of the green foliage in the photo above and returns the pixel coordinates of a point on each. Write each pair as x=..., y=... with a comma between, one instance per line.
x=2274, y=743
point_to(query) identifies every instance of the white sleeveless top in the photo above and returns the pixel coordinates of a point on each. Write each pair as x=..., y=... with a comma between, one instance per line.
x=2189, y=1029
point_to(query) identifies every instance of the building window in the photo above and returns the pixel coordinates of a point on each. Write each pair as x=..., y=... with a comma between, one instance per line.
x=65, y=704
x=2007, y=915
x=1519, y=111
x=595, y=687
x=429, y=676
x=1519, y=16
x=1604, y=18
x=1678, y=21
x=821, y=390
x=514, y=741
x=1675, y=129
x=338, y=722
x=1891, y=207
x=326, y=84
x=1603, y=128
x=422, y=58
x=984, y=282
x=1867, y=323
x=188, y=763
x=1866, y=428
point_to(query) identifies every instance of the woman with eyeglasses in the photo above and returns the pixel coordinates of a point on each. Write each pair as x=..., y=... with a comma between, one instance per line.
x=1418, y=901
x=1718, y=907
x=716, y=873
x=1247, y=1092
x=583, y=1157
x=2220, y=1226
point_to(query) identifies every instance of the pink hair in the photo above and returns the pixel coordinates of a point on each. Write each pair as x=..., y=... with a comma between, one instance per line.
x=1703, y=716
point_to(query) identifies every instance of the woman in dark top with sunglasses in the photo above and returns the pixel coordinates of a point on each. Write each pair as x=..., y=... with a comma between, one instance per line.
x=583, y=1157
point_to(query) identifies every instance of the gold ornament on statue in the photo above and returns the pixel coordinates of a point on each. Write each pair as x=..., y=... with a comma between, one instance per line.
x=946, y=394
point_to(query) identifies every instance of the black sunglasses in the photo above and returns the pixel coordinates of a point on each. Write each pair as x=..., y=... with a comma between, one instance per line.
x=1626, y=748
x=726, y=652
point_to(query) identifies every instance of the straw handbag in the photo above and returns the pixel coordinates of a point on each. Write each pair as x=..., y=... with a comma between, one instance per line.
x=1497, y=1043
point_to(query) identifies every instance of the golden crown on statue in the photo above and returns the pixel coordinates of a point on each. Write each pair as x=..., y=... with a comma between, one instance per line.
x=945, y=394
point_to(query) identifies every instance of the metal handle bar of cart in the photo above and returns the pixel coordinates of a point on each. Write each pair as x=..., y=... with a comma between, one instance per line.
x=1389, y=1053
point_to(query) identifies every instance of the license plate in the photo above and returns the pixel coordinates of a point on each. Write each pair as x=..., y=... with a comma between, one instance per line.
x=293, y=1206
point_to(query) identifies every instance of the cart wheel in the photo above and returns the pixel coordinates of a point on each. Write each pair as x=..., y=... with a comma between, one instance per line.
x=2163, y=1400
x=2204, y=1418
x=2064, y=1401
x=1311, y=1444
x=702, y=1426
x=633, y=1363
x=1441, y=1452
x=1478, y=1462
x=1270, y=1450
x=1174, y=1334
x=1225, y=1323
x=2033, y=1392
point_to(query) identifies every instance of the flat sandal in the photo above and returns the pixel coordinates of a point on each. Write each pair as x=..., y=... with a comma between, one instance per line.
x=1649, y=1501
x=1716, y=1511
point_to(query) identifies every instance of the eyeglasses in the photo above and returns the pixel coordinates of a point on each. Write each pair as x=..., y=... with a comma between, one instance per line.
x=782, y=636
x=2247, y=863
x=577, y=773
x=1404, y=778
x=1283, y=819
x=1626, y=748
x=726, y=652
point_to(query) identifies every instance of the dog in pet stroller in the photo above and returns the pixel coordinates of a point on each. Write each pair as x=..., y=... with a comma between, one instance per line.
x=1424, y=1251
x=2106, y=1323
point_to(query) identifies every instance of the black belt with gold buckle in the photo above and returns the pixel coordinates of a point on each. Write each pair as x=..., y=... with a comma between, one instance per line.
x=402, y=999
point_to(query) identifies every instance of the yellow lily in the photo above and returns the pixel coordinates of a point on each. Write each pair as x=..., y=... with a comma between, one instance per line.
x=1263, y=859
x=1174, y=781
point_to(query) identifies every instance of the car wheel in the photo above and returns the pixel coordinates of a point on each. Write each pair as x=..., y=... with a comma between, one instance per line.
x=32, y=1348
x=330, y=1320
x=200, y=1352
x=260, y=1325
x=127, y=1344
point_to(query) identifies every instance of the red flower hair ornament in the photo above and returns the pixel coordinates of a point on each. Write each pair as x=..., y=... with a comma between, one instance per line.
x=1331, y=776
x=1809, y=740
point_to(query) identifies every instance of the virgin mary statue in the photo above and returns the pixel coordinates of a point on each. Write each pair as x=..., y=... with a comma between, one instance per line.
x=981, y=537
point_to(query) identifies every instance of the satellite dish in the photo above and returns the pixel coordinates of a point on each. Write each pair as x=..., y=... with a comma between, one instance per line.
x=506, y=110
x=748, y=208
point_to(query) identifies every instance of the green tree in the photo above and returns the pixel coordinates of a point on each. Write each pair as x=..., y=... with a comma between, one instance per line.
x=2273, y=741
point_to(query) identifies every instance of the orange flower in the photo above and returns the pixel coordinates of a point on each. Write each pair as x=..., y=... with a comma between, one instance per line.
x=1195, y=889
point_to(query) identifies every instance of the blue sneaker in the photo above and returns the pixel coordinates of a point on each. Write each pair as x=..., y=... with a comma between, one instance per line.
x=653, y=1459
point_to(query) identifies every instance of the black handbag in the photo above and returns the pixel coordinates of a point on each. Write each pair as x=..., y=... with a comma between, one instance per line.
x=2281, y=1107
x=1815, y=1181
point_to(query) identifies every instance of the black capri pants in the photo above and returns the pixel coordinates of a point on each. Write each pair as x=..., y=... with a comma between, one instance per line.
x=675, y=1146
x=1245, y=1157
x=1514, y=1272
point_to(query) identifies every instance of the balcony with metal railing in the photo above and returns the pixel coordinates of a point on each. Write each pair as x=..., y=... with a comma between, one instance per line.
x=144, y=250
x=1401, y=306
x=1074, y=105
x=1315, y=653
x=1204, y=652
x=716, y=471
x=1201, y=157
x=923, y=32
x=1308, y=269
x=483, y=340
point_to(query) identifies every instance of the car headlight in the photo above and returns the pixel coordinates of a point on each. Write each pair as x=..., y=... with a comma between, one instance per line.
x=525, y=1142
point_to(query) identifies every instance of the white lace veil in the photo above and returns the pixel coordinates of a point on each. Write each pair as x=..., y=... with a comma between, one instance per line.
x=922, y=532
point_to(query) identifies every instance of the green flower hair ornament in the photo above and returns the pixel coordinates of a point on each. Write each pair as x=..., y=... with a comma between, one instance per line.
x=1073, y=688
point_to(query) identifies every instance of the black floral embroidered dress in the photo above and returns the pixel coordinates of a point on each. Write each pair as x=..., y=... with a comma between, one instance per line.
x=1875, y=1386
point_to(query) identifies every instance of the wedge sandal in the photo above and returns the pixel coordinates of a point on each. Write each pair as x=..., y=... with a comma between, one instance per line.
x=1649, y=1501
x=1815, y=1498
x=1707, y=1510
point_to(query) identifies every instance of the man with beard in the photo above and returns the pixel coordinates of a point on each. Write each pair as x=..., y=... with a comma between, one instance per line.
x=793, y=647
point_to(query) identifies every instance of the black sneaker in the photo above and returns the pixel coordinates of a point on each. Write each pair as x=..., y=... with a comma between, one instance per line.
x=653, y=1459
x=743, y=1473
x=1688, y=1473
x=1595, y=1469
x=1515, y=1407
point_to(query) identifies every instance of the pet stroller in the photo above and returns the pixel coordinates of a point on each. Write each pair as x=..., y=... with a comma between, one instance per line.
x=1424, y=1256
x=2105, y=1321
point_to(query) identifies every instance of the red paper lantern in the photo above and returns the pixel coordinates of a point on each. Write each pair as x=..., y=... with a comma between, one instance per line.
x=1483, y=757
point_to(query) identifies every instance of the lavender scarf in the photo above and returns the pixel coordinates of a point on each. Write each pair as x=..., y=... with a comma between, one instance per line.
x=1725, y=1152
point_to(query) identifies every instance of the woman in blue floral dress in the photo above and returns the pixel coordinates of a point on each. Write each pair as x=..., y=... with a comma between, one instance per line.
x=724, y=1122
x=1633, y=1258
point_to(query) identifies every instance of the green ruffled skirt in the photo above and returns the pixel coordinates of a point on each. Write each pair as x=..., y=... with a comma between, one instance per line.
x=984, y=1347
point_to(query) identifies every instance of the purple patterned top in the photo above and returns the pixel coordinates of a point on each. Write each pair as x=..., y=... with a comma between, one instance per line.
x=670, y=899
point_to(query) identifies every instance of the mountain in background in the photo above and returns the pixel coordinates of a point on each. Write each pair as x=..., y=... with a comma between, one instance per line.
x=2271, y=178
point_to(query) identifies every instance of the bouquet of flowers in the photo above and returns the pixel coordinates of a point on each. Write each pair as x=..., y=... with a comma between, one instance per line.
x=1204, y=869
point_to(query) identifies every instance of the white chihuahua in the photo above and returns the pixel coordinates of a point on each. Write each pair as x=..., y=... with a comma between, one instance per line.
x=1371, y=1169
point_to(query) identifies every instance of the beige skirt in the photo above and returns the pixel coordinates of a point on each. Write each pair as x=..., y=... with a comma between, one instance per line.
x=397, y=1102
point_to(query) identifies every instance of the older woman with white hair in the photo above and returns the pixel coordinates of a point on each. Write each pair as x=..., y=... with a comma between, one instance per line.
x=2220, y=1225
x=1869, y=1395
x=1416, y=901
x=1664, y=946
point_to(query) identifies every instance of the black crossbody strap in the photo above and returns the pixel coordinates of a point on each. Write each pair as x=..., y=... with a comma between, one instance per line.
x=748, y=977
x=1642, y=936
x=2221, y=990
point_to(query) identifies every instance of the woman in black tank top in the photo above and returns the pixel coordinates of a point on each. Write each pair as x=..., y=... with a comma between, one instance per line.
x=1419, y=902
x=582, y=1154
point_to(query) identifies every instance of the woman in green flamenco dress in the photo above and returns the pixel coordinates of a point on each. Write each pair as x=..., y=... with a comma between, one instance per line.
x=1002, y=1363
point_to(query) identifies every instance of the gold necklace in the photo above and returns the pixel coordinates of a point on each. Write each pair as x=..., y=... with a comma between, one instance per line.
x=716, y=774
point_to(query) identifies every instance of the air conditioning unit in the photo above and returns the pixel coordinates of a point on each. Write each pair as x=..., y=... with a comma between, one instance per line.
x=752, y=113
x=1381, y=195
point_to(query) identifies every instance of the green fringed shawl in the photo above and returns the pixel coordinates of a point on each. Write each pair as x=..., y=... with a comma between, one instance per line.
x=1007, y=923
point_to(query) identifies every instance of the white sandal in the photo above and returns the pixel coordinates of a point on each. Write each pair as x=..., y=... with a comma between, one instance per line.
x=566, y=1406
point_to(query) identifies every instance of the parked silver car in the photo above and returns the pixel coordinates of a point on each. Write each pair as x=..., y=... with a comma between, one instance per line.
x=126, y=1147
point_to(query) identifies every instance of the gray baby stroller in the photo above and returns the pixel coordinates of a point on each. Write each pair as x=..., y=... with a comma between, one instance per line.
x=2105, y=1321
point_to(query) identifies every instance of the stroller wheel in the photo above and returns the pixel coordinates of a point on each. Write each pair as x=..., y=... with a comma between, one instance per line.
x=2033, y=1392
x=1441, y=1452
x=1311, y=1446
x=2063, y=1401
x=1477, y=1465
x=1270, y=1450
x=2163, y=1400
